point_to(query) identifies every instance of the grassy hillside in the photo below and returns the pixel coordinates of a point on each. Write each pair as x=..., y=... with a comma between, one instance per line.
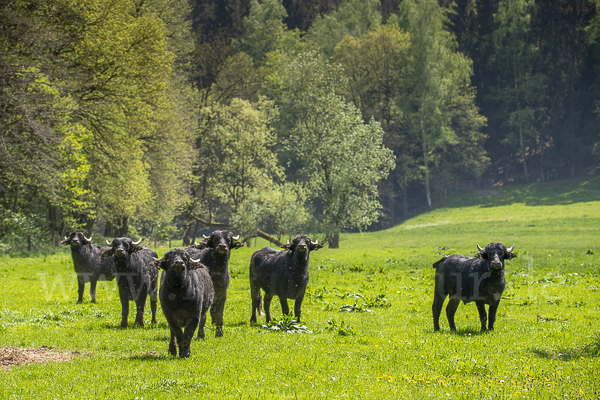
x=548, y=315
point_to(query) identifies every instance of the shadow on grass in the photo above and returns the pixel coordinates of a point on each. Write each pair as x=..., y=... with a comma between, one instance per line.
x=466, y=332
x=117, y=326
x=237, y=324
x=149, y=356
x=589, y=350
x=560, y=354
x=567, y=191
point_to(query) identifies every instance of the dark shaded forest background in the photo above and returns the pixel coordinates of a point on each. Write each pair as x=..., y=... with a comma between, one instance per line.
x=165, y=118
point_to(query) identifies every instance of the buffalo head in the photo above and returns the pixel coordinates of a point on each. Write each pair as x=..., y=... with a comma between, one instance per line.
x=76, y=238
x=495, y=253
x=122, y=247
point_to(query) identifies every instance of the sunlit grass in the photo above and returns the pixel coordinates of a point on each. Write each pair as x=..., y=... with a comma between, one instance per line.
x=543, y=345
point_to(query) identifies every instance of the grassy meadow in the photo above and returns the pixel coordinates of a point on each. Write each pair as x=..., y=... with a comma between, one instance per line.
x=546, y=343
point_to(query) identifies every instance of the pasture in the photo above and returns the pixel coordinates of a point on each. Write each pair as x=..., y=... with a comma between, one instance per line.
x=546, y=343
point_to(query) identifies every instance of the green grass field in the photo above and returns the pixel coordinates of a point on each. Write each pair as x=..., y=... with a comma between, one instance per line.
x=546, y=343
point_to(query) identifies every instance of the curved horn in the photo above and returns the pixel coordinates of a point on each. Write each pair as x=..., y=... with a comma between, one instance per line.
x=138, y=242
x=194, y=261
x=88, y=240
x=204, y=236
x=315, y=242
x=66, y=238
x=480, y=249
x=288, y=242
x=108, y=243
x=510, y=249
x=236, y=237
x=156, y=259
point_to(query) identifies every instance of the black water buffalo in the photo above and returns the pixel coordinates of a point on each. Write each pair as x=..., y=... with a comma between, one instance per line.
x=479, y=279
x=137, y=277
x=89, y=264
x=186, y=294
x=283, y=273
x=214, y=252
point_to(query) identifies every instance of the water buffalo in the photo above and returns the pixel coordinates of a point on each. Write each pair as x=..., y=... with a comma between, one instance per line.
x=137, y=277
x=214, y=252
x=186, y=294
x=89, y=264
x=283, y=273
x=479, y=279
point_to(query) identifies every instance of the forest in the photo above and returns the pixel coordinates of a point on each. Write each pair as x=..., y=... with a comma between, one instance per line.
x=164, y=118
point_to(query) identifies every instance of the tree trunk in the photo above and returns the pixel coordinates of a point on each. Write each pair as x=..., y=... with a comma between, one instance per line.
x=194, y=232
x=124, y=231
x=108, y=229
x=334, y=242
x=426, y=162
x=523, y=154
x=405, y=201
x=186, y=235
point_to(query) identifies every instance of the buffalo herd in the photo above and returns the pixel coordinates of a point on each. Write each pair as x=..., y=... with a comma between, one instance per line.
x=195, y=280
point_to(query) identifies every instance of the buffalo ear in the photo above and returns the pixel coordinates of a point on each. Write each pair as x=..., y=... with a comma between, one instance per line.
x=287, y=246
x=108, y=253
x=197, y=264
x=65, y=242
x=157, y=262
x=509, y=255
x=315, y=246
x=237, y=245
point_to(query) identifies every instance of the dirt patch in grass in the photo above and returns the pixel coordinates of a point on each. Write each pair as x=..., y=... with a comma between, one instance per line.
x=13, y=356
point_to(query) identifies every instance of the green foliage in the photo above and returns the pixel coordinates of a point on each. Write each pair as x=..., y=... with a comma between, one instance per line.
x=263, y=28
x=280, y=209
x=236, y=159
x=520, y=86
x=439, y=103
x=341, y=328
x=352, y=17
x=347, y=157
x=287, y=324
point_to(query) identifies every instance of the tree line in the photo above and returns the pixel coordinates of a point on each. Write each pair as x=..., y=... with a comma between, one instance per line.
x=163, y=117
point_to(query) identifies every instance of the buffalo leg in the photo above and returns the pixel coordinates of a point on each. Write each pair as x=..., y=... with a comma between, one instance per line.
x=124, y=296
x=285, y=310
x=153, y=307
x=80, y=289
x=93, y=283
x=153, y=303
x=188, y=334
x=453, y=303
x=267, y=304
x=492, y=320
x=255, y=294
x=178, y=333
x=436, y=308
x=297, y=306
x=201, y=325
x=482, y=314
x=172, y=345
x=140, y=304
x=216, y=314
